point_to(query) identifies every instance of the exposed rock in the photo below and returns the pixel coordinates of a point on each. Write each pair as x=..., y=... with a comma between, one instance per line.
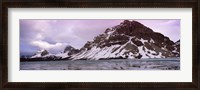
x=45, y=52
x=130, y=39
x=68, y=48
x=40, y=53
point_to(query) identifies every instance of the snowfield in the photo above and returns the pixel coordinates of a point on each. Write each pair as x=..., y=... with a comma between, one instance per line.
x=113, y=64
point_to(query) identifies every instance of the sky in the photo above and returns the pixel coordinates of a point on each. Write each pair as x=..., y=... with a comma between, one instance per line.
x=54, y=35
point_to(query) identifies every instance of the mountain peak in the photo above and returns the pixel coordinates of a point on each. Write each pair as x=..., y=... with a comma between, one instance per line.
x=131, y=23
x=130, y=28
x=68, y=48
x=40, y=53
x=130, y=39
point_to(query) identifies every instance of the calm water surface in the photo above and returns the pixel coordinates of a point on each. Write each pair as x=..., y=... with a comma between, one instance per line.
x=114, y=64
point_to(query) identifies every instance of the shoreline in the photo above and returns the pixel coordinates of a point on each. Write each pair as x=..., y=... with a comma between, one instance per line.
x=65, y=59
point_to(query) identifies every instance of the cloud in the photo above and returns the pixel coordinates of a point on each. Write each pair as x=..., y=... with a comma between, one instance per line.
x=57, y=47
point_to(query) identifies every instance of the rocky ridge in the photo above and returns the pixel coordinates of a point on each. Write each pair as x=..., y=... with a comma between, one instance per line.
x=129, y=40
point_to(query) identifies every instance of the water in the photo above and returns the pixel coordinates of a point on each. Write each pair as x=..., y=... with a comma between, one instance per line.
x=119, y=64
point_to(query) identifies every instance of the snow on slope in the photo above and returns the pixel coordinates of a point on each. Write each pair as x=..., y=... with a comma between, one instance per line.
x=115, y=51
x=62, y=55
x=130, y=40
x=39, y=54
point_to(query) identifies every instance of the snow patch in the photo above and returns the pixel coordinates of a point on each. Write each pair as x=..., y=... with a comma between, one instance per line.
x=143, y=41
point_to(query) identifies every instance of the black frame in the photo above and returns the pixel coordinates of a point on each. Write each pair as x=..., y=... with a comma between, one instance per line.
x=194, y=4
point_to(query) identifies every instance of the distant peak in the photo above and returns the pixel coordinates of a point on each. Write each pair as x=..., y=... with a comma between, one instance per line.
x=40, y=53
x=131, y=23
x=68, y=48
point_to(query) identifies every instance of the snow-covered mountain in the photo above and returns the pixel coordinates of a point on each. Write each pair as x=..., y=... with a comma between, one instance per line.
x=44, y=54
x=68, y=52
x=130, y=39
x=41, y=53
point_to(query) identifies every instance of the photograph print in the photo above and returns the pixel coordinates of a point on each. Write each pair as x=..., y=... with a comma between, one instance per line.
x=99, y=44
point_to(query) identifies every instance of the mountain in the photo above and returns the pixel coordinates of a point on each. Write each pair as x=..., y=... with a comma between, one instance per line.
x=68, y=48
x=177, y=48
x=130, y=39
x=40, y=53
x=44, y=54
x=68, y=51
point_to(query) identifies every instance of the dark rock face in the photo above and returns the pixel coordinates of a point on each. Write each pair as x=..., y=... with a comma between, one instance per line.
x=73, y=51
x=133, y=28
x=137, y=42
x=130, y=36
x=41, y=53
x=70, y=50
x=177, y=48
x=45, y=52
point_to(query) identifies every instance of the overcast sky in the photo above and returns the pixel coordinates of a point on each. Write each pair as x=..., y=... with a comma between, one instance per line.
x=54, y=35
